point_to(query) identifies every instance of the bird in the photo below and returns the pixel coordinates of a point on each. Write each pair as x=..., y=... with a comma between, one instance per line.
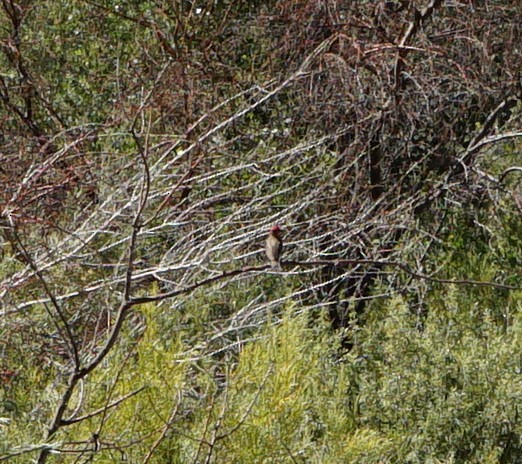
x=274, y=247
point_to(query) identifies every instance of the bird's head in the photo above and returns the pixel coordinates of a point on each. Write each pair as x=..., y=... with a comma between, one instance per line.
x=276, y=230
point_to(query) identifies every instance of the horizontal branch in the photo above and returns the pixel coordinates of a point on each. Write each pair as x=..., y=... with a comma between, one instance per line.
x=333, y=263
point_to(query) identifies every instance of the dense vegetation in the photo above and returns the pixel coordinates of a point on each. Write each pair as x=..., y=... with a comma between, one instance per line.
x=146, y=147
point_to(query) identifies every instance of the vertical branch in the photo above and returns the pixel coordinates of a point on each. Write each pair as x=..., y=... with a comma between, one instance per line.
x=126, y=304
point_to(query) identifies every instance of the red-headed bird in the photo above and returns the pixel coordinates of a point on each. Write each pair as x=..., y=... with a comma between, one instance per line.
x=274, y=247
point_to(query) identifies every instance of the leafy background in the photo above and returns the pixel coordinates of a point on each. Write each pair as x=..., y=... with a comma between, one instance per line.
x=147, y=147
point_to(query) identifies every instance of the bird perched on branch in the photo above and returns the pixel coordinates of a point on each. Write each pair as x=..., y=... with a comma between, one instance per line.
x=274, y=247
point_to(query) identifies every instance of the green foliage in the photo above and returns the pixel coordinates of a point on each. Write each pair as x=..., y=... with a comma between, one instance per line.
x=285, y=401
x=145, y=363
x=446, y=382
x=447, y=391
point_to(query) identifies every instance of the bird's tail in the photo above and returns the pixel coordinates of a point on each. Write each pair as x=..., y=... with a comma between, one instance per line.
x=276, y=265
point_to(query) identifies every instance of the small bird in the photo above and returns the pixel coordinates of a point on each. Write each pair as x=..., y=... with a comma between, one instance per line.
x=274, y=247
